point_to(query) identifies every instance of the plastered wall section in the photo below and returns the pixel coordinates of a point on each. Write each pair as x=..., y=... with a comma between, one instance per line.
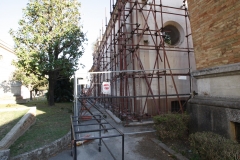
x=9, y=89
x=6, y=70
x=220, y=81
x=177, y=60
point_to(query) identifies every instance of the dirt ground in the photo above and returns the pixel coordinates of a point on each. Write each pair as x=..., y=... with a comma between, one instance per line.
x=153, y=151
x=149, y=149
x=180, y=146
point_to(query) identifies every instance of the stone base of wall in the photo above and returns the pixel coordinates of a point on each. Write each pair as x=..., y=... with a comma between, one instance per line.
x=10, y=99
x=214, y=114
x=217, y=106
x=46, y=151
x=4, y=154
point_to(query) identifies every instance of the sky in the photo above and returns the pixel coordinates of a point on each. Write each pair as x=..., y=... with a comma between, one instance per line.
x=92, y=18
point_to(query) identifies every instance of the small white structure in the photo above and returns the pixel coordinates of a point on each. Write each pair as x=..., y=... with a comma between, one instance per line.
x=10, y=90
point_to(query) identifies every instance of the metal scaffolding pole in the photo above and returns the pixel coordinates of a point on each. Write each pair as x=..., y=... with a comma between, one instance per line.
x=134, y=57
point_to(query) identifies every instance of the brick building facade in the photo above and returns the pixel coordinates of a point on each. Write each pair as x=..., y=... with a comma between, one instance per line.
x=216, y=37
x=216, y=32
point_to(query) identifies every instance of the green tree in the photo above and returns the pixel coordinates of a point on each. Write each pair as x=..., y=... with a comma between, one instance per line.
x=49, y=40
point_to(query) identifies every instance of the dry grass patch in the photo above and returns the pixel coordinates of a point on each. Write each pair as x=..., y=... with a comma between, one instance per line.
x=51, y=124
x=8, y=119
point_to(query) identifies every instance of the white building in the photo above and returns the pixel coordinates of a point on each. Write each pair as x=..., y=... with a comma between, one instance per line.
x=146, y=67
x=10, y=91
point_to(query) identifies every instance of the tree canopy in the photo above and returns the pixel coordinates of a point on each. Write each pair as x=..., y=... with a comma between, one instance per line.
x=49, y=40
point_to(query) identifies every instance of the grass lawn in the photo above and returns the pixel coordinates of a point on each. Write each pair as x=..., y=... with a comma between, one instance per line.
x=51, y=123
x=8, y=119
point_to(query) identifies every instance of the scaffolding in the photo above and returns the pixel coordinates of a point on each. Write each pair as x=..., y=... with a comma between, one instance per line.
x=149, y=74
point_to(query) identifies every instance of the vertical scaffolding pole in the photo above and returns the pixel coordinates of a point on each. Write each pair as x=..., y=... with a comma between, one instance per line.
x=135, y=33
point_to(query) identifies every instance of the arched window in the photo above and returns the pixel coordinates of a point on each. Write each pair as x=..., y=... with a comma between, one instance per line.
x=174, y=33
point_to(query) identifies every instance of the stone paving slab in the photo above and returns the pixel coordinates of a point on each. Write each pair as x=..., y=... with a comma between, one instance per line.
x=132, y=136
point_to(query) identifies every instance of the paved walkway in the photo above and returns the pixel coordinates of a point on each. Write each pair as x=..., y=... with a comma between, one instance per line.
x=137, y=144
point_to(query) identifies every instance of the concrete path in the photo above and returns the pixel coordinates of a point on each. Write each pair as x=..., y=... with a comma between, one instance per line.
x=137, y=144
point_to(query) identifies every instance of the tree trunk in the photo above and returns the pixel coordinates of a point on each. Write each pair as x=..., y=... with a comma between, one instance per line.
x=51, y=82
x=30, y=88
x=30, y=94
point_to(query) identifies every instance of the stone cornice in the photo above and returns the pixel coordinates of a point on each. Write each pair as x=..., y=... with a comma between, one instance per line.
x=233, y=103
x=225, y=70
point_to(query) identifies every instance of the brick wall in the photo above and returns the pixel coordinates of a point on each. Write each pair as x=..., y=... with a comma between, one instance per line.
x=216, y=31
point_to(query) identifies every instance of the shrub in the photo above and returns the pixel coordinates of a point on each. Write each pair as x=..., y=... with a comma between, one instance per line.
x=212, y=146
x=171, y=125
x=63, y=91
